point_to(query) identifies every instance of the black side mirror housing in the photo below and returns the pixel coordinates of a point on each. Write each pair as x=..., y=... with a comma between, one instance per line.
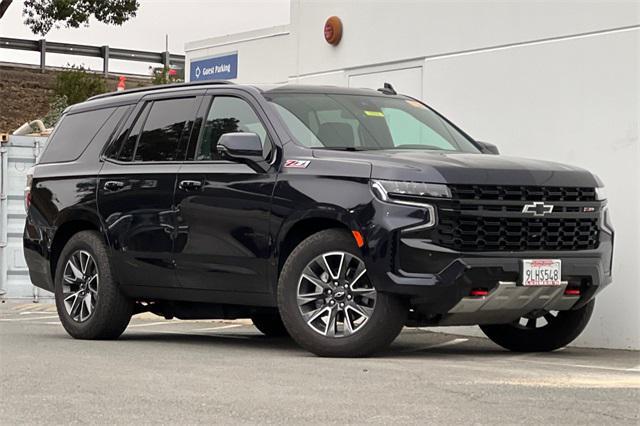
x=241, y=147
x=488, y=148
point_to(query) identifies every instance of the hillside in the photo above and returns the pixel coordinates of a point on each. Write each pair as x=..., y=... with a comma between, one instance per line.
x=25, y=93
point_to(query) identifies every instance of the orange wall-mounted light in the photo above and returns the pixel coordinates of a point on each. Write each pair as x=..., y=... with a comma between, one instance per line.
x=333, y=30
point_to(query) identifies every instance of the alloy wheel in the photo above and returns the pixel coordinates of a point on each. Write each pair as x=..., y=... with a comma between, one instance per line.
x=335, y=296
x=80, y=285
x=536, y=320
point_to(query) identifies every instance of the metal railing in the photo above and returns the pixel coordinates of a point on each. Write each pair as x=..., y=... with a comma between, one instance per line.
x=104, y=52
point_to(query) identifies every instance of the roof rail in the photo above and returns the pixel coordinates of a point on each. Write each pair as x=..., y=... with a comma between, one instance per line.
x=159, y=87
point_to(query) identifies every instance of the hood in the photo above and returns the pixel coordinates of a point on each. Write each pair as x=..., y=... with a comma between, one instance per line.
x=463, y=168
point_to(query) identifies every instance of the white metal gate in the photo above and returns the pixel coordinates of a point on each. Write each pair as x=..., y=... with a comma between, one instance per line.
x=17, y=155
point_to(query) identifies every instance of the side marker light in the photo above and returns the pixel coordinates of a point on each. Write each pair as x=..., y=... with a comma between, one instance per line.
x=359, y=240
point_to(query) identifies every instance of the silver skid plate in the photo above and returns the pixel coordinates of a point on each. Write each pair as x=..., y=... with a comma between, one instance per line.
x=508, y=302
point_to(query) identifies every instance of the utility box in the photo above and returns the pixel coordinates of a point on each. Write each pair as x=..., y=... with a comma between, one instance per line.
x=17, y=154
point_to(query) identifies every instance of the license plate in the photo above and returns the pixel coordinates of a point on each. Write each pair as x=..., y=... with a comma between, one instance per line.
x=541, y=272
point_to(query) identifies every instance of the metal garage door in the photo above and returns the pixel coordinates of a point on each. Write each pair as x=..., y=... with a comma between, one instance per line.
x=18, y=154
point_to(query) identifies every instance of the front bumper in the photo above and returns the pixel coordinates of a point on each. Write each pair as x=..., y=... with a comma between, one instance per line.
x=438, y=281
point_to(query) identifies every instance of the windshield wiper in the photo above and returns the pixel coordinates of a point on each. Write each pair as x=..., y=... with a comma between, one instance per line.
x=341, y=148
x=421, y=146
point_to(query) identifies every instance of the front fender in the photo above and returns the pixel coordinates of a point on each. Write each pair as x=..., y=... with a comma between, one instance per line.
x=348, y=201
x=313, y=203
x=303, y=197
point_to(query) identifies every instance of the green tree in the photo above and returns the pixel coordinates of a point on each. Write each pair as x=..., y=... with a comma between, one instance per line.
x=76, y=84
x=42, y=15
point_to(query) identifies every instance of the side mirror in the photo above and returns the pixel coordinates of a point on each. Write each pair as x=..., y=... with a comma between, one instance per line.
x=488, y=148
x=241, y=147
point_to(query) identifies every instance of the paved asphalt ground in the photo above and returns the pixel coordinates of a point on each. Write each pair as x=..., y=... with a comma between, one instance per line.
x=187, y=372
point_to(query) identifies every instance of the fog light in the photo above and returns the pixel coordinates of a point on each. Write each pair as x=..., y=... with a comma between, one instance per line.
x=572, y=292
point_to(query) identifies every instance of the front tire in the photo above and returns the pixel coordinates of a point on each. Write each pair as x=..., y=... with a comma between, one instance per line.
x=89, y=302
x=542, y=332
x=269, y=324
x=329, y=305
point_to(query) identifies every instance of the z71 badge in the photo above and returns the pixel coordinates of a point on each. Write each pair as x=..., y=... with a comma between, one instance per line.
x=297, y=164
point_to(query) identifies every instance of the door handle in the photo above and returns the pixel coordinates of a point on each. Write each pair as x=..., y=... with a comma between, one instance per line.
x=113, y=185
x=190, y=185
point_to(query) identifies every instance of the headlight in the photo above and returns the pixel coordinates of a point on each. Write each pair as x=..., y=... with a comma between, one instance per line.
x=410, y=194
x=601, y=194
x=388, y=190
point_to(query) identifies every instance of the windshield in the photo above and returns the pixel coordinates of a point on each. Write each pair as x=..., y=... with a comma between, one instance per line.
x=356, y=122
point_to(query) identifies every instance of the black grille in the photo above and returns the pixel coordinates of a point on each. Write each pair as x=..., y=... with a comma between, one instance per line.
x=475, y=233
x=491, y=218
x=522, y=193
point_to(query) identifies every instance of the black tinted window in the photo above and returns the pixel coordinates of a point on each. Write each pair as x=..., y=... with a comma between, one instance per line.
x=125, y=147
x=105, y=133
x=228, y=115
x=73, y=134
x=160, y=138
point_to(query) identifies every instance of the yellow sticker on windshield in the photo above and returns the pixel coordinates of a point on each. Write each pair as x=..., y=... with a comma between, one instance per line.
x=374, y=113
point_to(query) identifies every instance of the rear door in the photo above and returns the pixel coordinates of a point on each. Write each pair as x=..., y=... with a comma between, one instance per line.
x=136, y=187
x=223, y=206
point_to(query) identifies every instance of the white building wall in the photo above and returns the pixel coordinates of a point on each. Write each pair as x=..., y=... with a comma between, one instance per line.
x=264, y=56
x=377, y=31
x=556, y=80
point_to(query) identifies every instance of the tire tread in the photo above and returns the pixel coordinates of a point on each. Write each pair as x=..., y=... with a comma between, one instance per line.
x=569, y=326
x=113, y=310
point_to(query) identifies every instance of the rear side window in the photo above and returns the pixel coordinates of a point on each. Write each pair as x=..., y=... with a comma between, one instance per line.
x=73, y=134
x=162, y=130
x=159, y=133
x=128, y=147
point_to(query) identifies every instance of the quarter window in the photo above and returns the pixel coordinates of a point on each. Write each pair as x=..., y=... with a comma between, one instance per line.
x=73, y=134
x=228, y=115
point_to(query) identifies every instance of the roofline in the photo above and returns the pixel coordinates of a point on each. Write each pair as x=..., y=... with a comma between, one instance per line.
x=284, y=88
x=241, y=37
x=159, y=87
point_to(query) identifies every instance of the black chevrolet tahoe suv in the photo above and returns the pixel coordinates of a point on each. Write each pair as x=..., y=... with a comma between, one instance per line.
x=337, y=216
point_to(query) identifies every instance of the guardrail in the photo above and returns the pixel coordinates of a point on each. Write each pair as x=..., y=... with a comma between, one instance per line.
x=104, y=52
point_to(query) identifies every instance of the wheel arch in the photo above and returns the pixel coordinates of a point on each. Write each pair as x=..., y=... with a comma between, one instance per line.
x=67, y=225
x=299, y=230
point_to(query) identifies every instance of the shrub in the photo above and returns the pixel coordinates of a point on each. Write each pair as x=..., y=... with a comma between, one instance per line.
x=56, y=108
x=77, y=84
x=166, y=75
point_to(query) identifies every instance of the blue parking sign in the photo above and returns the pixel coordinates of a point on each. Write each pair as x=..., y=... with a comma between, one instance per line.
x=222, y=67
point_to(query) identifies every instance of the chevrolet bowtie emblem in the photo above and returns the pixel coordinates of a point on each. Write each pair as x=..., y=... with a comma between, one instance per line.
x=537, y=208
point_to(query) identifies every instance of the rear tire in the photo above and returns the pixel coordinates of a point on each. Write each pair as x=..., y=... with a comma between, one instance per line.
x=270, y=325
x=559, y=330
x=338, y=312
x=89, y=302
